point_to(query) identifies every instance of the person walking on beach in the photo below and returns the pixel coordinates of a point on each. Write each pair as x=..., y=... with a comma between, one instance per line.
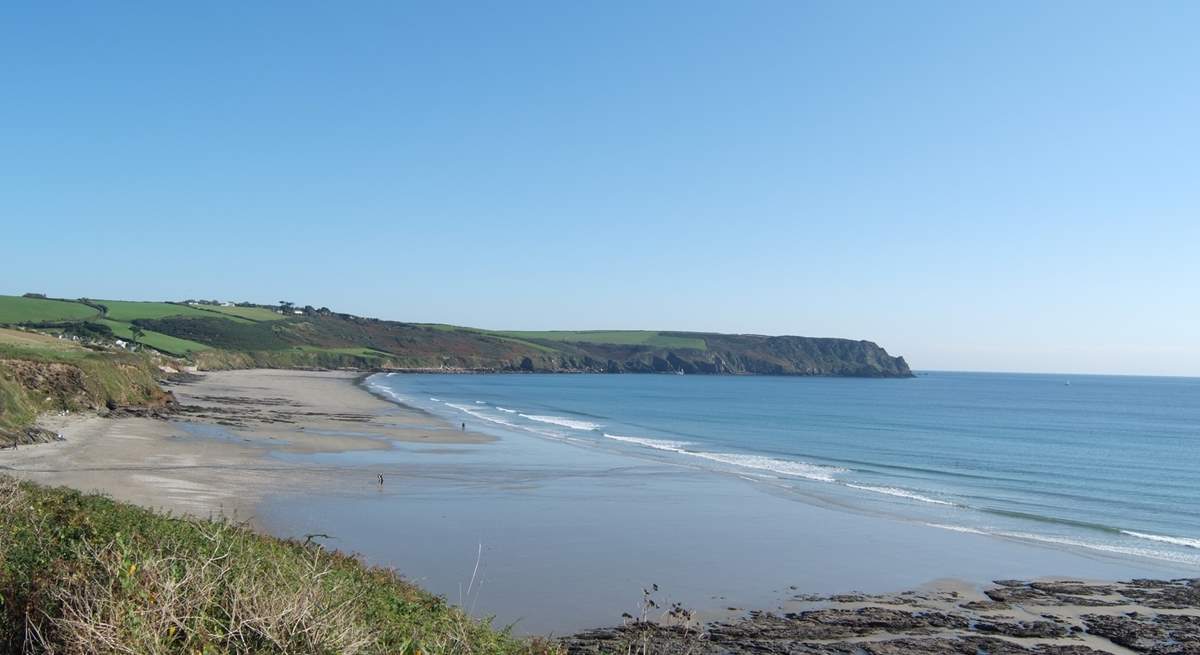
x=464, y=426
x=380, y=479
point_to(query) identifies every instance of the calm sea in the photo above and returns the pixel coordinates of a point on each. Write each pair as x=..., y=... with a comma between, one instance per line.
x=743, y=491
x=1104, y=463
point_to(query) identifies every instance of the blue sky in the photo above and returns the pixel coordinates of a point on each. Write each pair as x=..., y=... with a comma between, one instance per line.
x=981, y=186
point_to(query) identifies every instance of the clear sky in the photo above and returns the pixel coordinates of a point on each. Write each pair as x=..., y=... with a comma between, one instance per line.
x=984, y=186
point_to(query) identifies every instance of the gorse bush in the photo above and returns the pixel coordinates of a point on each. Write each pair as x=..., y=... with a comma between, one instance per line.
x=84, y=574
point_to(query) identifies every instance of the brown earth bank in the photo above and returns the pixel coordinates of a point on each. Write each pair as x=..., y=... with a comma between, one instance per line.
x=1059, y=617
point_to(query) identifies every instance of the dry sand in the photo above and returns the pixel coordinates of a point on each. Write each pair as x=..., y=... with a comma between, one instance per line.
x=215, y=458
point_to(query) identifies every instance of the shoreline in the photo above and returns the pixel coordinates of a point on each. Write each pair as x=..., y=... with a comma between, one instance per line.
x=244, y=437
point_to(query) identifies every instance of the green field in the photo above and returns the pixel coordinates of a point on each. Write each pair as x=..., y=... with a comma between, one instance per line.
x=155, y=340
x=358, y=352
x=15, y=309
x=126, y=310
x=619, y=337
x=251, y=313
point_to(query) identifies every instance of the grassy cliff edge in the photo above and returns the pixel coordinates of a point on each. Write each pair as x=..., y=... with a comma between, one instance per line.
x=42, y=374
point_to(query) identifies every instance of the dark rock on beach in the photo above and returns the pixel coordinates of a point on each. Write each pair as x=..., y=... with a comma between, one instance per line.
x=1039, y=618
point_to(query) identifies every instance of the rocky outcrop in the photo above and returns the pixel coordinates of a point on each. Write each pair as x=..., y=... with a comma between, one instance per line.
x=13, y=438
x=938, y=623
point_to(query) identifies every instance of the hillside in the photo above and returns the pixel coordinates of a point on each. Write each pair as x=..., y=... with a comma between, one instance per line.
x=219, y=336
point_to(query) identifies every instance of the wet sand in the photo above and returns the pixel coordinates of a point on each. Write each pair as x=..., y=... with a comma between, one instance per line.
x=219, y=456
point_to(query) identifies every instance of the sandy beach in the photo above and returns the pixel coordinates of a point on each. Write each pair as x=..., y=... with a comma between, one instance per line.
x=216, y=456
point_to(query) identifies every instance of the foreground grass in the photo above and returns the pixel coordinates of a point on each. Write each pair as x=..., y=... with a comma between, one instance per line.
x=85, y=574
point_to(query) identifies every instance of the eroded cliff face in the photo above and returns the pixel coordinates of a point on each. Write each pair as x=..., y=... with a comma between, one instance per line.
x=29, y=387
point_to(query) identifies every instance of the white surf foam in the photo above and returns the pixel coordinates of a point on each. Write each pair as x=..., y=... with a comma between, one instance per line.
x=506, y=410
x=900, y=493
x=561, y=421
x=1107, y=548
x=657, y=444
x=480, y=402
x=1178, y=541
x=387, y=391
x=467, y=409
x=956, y=528
x=785, y=467
x=436, y=400
x=782, y=466
x=1150, y=553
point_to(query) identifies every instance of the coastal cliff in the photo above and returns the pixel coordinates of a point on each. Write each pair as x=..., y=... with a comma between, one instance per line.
x=214, y=335
x=354, y=342
x=732, y=355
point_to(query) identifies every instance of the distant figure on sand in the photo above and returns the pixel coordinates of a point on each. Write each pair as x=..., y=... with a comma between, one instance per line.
x=464, y=427
x=381, y=479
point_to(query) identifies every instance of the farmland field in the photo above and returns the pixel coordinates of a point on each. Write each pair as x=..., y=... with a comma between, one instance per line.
x=359, y=352
x=620, y=337
x=15, y=309
x=251, y=313
x=126, y=310
x=156, y=340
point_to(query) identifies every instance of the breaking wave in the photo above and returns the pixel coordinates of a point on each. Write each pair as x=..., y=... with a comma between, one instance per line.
x=1178, y=541
x=562, y=422
x=901, y=493
x=657, y=444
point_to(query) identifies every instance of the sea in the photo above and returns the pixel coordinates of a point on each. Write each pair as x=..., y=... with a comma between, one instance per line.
x=739, y=491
